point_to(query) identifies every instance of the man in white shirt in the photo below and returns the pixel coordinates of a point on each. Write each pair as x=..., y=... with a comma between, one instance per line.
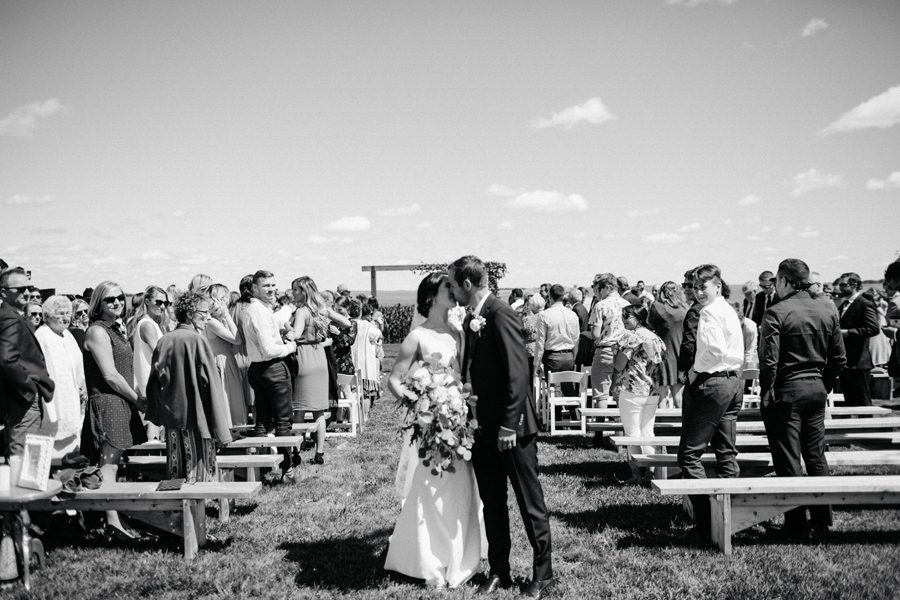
x=269, y=373
x=709, y=413
x=557, y=338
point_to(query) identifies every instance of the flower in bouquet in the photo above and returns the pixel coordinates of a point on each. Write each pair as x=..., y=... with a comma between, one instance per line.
x=437, y=414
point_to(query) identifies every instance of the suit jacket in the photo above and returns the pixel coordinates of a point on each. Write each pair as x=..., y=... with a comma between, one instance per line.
x=761, y=304
x=860, y=319
x=185, y=389
x=498, y=370
x=688, y=348
x=23, y=371
x=748, y=306
x=582, y=313
x=800, y=338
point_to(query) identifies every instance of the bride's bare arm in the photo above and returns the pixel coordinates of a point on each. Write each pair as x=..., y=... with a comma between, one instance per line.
x=405, y=357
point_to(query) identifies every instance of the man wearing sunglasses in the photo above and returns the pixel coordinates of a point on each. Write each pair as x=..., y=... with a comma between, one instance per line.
x=766, y=296
x=859, y=322
x=24, y=380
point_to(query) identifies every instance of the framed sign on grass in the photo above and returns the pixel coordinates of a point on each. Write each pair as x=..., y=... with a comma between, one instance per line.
x=36, y=462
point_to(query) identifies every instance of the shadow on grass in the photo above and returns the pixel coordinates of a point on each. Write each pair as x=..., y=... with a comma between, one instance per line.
x=343, y=564
x=592, y=472
x=639, y=518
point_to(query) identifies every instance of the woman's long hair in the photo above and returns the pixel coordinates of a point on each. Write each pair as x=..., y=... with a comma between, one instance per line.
x=100, y=292
x=314, y=302
x=670, y=293
x=200, y=283
x=141, y=310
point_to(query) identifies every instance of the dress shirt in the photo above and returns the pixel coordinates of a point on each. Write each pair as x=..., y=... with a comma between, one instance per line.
x=261, y=334
x=608, y=312
x=720, y=341
x=557, y=329
x=751, y=334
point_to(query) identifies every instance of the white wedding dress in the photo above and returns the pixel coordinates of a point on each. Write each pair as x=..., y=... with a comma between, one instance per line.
x=438, y=536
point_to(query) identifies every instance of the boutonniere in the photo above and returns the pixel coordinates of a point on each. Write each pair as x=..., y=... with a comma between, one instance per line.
x=477, y=324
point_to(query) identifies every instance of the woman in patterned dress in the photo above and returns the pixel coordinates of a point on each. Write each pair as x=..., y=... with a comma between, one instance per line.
x=112, y=421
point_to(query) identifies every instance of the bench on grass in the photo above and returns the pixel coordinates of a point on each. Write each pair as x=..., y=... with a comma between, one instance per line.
x=759, y=441
x=182, y=512
x=880, y=423
x=740, y=503
x=748, y=413
x=247, y=443
x=850, y=458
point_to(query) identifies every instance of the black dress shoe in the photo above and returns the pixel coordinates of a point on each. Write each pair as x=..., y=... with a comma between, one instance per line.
x=493, y=583
x=536, y=588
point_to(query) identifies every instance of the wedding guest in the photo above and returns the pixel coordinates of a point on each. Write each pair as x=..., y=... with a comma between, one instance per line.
x=544, y=291
x=666, y=319
x=688, y=330
x=238, y=309
x=79, y=322
x=343, y=338
x=25, y=384
x=199, y=283
x=534, y=304
x=285, y=310
x=310, y=324
x=639, y=354
x=185, y=394
x=112, y=421
x=376, y=316
x=817, y=289
x=765, y=297
x=66, y=368
x=749, y=289
x=146, y=327
x=556, y=338
x=606, y=328
x=269, y=373
x=516, y=298
x=34, y=295
x=34, y=314
x=222, y=335
x=750, y=335
x=801, y=354
x=709, y=413
x=892, y=287
x=879, y=344
x=859, y=322
x=365, y=352
x=579, y=308
x=343, y=290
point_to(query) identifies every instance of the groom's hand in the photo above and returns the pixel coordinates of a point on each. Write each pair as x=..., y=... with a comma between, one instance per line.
x=506, y=439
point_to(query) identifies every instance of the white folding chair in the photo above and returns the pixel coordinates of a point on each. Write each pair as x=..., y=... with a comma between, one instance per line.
x=752, y=399
x=555, y=400
x=348, y=397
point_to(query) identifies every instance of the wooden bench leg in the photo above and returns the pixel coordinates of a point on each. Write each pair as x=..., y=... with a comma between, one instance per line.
x=720, y=521
x=194, y=526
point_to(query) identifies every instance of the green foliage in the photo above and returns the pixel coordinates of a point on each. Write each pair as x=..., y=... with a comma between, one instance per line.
x=397, y=319
x=496, y=272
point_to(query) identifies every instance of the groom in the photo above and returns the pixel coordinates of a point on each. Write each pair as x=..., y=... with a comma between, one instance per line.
x=495, y=363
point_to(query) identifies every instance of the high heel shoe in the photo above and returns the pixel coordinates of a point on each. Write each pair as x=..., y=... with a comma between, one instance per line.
x=318, y=459
x=117, y=534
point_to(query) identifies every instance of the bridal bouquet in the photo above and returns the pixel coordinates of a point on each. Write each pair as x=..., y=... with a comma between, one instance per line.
x=437, y=414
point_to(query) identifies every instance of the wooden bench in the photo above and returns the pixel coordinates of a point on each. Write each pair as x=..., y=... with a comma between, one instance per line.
x=759, y=441
x=247, y=443
x=182, y=512
x=880, y=423
x=749, y=413
x=737, y=504
x=850, y=458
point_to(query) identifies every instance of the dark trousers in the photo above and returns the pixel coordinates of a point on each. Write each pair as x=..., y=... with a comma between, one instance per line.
x=855, y=386
x=709, y=412
x=555, y=362
x=520, y=465
x=795, y=426
x=273, y=389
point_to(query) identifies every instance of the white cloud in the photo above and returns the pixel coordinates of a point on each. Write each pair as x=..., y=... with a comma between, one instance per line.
x=727, y=221
x=808, y=232
x=749, y=200
x=593, y=111
x=814, y=180
x=505, y=226
x=155, y=255
x=641, y=212
x=753, y=238
x=765, y=228
x=891, y=183
x=350, y=224
x=881, y=111
x=178, y=214
x=693, y=3
x=787, y=229
x=498, y=189
x=321, y=239
x=814, y=26
x=424, y=225
x=664, y=238
x=402, y=211
x=23, y=121
x=692, y=227
x=547, y=201
x=22, y=200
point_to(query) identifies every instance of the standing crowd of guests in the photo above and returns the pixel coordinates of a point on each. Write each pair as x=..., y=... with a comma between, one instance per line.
x=194, y=368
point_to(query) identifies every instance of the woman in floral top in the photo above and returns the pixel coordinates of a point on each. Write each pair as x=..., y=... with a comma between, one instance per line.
x=533, y=305
x=637, y=363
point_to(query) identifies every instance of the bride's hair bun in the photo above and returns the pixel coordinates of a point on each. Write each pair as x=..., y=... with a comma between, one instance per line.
x=428, y=290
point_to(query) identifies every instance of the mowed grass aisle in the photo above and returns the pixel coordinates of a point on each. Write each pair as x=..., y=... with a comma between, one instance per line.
x=323, y=537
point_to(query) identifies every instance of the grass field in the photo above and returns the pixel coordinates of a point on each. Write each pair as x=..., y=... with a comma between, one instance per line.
x=323, y=537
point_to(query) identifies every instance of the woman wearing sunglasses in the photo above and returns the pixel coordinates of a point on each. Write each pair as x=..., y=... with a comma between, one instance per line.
x=145, y=328
x=112, y=421
x=80, y=322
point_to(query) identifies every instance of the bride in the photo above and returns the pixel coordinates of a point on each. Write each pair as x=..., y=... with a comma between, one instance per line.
x=438, y=534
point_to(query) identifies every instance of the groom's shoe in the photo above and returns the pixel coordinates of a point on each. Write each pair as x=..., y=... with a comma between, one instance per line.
x=493, y=583
x=536, y=588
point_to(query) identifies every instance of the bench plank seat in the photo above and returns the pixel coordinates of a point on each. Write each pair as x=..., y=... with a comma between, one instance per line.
x=737, y=504
x=246, y=443
x=223, y=461
x=759, y=427
x=856, y=458
x=748, y=413
x=855, y=437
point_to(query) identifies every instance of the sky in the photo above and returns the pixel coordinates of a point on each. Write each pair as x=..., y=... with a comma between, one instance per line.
x=144, y=142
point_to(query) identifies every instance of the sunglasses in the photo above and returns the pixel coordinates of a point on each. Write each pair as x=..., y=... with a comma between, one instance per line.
x=687, y=286
x=81, y=313
x=161, y=303
x=112, y=299
x=16, y=290
x=35, y=316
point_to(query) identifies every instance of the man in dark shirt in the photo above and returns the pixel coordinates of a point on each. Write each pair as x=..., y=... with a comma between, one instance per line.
x=765, y=298
x=859, y=322
x=801, y=352
x=689, y=328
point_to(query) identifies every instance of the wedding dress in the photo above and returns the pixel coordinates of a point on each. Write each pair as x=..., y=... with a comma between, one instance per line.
x=438, y=534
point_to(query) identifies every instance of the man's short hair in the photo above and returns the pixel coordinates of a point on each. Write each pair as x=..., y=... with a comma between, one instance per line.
x=689, y=274
x=262, y=274
x=766, y=275
x=853, y=279
x=472, y=268
x=7, y=273
x=892, y=273
x=708, y=272
x=605, y=281
x=795, y=271
x=750, y=286
x=576, y=294
x=639, y=282
x=557, y=292
x=3, y=264
x=622, y=283
x=517, y=293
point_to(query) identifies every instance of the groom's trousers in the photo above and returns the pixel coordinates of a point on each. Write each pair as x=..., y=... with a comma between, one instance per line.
x=520, y=465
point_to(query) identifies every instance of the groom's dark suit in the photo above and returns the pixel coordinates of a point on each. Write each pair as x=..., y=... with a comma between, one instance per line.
x=498, y=371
